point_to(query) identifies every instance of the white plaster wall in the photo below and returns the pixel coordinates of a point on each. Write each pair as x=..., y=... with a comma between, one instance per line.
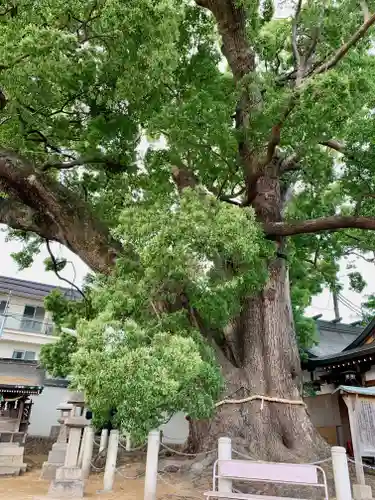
x=44, y=414
x=7, y=347
x=20, y=340
x=176, y=431
x=14, y=339
x=370, y=375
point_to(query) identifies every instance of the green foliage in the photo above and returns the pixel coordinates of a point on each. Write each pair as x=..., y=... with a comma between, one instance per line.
x=56, y=358
x=357, y=283
x=58, y=266
x=146, y=375
x=31, y=247
x=95, y=77
x=308, y=390
x=65, y=312
x=368, y=309
x=212, y=252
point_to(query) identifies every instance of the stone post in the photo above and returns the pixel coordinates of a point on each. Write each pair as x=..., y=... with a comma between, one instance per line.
x=224, y=453
x=341, y=473
x=103, y=440
x=110, y=464
x=56, y=456
x=82, y=447
x=69, y=478
x=87, y=452
x=151, y=477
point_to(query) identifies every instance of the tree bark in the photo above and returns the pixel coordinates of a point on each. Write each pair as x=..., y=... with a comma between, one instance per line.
x=268, y=365
x=35, y=202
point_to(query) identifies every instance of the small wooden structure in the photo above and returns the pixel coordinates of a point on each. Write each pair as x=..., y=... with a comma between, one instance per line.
x=360, y=402
x=18, y=381
x=15, y=407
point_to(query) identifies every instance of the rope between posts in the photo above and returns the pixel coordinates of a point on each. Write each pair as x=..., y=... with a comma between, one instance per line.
x=242, y=455
x=263, y=399
x=329, y=459
x=364, y=465
x=187, y=454
x=137, y=476
x=132, y=449
x=96, y=469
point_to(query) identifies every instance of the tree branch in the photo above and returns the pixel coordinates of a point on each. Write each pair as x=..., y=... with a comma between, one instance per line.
x=290, y=164
x=333, y=144
x=339, y=147
x=75, y=163
x=365, y=10
x=48, y=206
x=230, y=16
x=333, y=223
x=276, y=132
x=344, y=49
x=19, y=216
x=183, y=178
x=48, y=147
x=56, y=271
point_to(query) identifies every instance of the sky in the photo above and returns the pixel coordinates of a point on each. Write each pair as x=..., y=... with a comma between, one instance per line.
x=76, y=270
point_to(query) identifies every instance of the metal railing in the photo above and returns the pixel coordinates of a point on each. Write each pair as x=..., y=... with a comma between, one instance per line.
x=26, y=324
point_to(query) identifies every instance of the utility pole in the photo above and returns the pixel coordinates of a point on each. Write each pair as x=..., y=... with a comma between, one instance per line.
x=4, y=315
x=336, y=307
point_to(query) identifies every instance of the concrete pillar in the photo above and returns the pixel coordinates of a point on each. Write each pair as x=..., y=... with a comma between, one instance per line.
x=110, y=464
x=87, y=452
x=103, y=440
x=151, y=477
x=128, y=445
x=362, y=492
x=224, y=453
x=341, y=473
x=73, y=447
x=82, y=447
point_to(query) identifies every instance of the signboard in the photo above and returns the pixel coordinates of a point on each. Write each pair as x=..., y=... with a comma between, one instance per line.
x=365, y=417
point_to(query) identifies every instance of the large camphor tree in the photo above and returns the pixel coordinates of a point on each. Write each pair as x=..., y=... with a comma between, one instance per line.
x=194, y=154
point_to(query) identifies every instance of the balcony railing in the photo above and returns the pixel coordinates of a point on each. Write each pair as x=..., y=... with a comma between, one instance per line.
x=25, y=324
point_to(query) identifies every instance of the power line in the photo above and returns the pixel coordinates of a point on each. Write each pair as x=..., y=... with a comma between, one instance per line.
x=350, y=305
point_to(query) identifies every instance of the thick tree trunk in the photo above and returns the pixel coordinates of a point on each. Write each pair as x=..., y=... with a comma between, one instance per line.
x=268, y=365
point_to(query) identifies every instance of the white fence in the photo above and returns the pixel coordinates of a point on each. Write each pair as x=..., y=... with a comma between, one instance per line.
x=224, y=452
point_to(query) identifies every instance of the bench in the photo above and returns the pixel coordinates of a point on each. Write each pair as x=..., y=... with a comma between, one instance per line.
x=265, y=472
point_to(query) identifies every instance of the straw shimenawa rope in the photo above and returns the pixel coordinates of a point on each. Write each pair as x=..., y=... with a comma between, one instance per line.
x=262, y=398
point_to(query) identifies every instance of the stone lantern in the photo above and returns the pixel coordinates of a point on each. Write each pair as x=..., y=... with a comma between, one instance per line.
x=69, y=478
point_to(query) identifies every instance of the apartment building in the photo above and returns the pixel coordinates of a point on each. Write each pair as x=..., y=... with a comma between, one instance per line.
x=25, y=326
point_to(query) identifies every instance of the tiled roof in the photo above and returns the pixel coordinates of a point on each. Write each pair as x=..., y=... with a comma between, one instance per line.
x=7, y=380
x=31, y=289
x=19, y=374
x=334, y=337
x=363, y=391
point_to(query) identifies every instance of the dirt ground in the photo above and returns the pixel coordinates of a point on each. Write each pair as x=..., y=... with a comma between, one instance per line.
x=171, y=486
x=129, y=482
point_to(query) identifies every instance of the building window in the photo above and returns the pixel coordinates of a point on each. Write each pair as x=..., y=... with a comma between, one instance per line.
x=29, y=356
x=3, y=305
x=18, y=354
x=32, y=320
x=26, y=355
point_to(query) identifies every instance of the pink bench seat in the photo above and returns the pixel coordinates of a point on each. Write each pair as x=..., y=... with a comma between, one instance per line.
x=265, y=472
